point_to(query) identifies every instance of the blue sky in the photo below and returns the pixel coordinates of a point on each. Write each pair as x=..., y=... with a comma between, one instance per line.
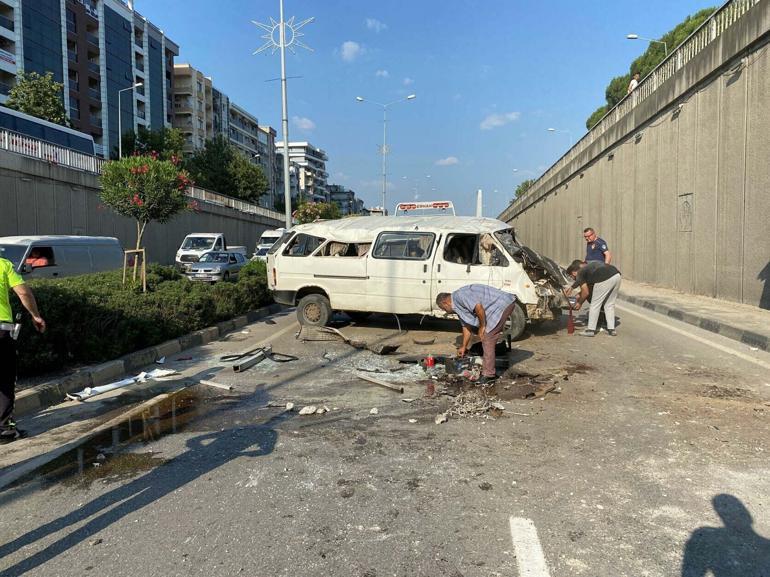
x=490, y=78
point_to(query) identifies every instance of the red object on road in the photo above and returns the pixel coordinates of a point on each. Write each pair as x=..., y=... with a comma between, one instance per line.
x=430, y=362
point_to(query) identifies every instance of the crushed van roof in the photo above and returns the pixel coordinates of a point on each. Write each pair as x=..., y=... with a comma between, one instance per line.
x=365, y=228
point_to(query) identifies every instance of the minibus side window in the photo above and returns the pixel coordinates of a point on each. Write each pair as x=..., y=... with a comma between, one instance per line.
x=303, y=245
x=404, y=245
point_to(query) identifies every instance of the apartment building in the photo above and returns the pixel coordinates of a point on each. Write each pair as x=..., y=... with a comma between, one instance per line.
x=268, y=162
x=193, y=106
x=345, y=199
x=97, y=49
x=310, y=164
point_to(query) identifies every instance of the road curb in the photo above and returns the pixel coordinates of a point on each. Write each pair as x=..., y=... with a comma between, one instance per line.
x=47, y=394
x=728, y=330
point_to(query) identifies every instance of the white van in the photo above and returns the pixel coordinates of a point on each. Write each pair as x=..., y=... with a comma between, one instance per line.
x=267, y=240
x=61, y=256
x=400, y=264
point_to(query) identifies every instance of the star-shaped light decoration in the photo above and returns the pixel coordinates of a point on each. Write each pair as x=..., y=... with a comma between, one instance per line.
x=292, y=35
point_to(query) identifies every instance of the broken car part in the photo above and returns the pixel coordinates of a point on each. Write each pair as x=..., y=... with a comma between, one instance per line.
x=385, y=384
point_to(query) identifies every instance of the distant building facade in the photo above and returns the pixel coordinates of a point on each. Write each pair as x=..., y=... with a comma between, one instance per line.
x=310, y=162
x=193, y=106
x=345, y=199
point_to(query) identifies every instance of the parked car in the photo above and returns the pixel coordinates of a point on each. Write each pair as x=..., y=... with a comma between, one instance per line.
x=217, y=266
x=195, y=245
x=400, y=264
x=56, y=256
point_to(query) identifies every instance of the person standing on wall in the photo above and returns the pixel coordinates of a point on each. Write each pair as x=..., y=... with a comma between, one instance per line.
x=596, y=247
x=10, y=280
x=633, y=84
x=602, y=282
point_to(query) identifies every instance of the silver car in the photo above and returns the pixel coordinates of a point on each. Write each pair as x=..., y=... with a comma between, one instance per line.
x=217, y=266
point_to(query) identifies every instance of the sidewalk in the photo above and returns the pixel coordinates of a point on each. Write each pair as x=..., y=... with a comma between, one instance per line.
x=744, y=323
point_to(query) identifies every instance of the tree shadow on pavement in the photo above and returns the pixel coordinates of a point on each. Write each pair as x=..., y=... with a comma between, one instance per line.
x=204, y=454
x=734, y=550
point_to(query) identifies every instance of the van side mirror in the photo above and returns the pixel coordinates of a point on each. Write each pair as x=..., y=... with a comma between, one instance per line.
x=25, y=269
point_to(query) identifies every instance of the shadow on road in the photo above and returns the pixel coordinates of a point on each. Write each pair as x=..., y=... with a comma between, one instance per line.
x=734, y=550
x=204, y=454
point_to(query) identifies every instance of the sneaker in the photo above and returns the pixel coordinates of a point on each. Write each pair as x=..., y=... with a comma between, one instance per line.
x=587, y=333
x=11, y=435
x=612, y=332
x=484, y=380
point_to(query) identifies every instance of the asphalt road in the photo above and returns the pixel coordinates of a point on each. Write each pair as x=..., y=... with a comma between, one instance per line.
x=650, y=459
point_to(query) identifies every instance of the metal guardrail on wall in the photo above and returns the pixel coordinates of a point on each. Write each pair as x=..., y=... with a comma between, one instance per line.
x=58, y=155
x=722, y=19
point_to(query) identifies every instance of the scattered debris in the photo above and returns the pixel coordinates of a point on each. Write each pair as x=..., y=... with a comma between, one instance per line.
x=324, y=334
x=424, y=341
x=413, y=421
x=406, y=400
x=442, y=418
x=289, y=406
x=471, y=403
x=142, y=377
x=385, y=384
x=98, y=541
x=321, y=410
x=161, y=361
x=308, y=410
x=216, y=385
x=484, y=486
x=374, y=411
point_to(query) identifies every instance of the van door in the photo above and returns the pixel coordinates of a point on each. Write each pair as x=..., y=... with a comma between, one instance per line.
x=464, y=259
x=73, y=260
x=399, y=272
x=43, y=261
x=341, y=268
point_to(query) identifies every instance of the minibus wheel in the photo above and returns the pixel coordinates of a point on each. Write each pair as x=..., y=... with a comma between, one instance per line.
x=314, y=310
x=518, y=323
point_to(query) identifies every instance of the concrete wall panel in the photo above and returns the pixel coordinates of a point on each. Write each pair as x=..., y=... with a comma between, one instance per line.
x=730, y=187
x=756, y=230
x=667, y=130
x=686, y=156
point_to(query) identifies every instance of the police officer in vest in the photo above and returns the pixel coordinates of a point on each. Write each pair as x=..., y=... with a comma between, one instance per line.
x=10, y=280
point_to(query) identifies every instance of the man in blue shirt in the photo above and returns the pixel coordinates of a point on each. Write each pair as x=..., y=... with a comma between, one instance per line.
x=596, y=247
x=482, y=309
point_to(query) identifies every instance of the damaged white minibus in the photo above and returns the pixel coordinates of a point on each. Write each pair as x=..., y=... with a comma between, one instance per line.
x=399, y=264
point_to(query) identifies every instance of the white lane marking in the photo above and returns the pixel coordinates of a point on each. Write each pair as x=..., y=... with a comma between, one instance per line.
x=526, y=544
x=695, y=337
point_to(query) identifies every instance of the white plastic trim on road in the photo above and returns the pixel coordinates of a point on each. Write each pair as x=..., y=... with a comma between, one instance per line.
x=695, y=337
x=526, y=545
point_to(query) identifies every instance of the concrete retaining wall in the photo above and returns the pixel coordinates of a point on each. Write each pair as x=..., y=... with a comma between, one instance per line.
x=39, y=198
x=682, y=192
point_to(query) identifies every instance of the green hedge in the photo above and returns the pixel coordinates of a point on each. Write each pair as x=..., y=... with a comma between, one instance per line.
x=93, y=318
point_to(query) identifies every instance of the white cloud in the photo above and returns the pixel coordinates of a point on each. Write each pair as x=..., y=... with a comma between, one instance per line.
x=376, y=25
x=497, y=120
x=351, y=50
x=303, y=123
x=408, y=81
x=382, y=74
x=448, y=161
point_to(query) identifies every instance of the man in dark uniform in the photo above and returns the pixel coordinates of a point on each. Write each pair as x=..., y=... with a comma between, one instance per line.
x=596, y=247
x=10, y=280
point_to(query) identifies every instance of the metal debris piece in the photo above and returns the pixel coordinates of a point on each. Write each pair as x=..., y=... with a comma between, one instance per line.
x=374, y=411
x=405, y=400
x=216, y=385
x=385, y=384
x=289, y=406
x=308, y=410
x=442, y=418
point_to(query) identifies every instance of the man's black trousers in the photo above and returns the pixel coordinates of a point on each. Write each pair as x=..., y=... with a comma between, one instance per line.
x=7, y=378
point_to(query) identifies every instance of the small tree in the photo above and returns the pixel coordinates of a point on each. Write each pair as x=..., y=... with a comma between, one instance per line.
x=39, y=96
x=166, y=142
x=146, y=189
x=210, y=166
x=523, y=187
x=312, y=211
x=247, y=181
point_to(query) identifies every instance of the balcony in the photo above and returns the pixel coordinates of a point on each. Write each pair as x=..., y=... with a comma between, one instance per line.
x=72, y=55
x=71, y=27
x=6, y=23
x=8, y=57
x=5, y=88
x=75, y=113
x=74, y=85
x=140, y=113
x=95, y=120
x=92, y=39
x=94, y=67
x=95, y=93
x=140, y=65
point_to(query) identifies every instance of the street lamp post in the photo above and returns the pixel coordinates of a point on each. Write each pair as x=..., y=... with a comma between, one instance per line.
x=637, y=37
x=120, y=117
x=569, y=134
x=384, y=150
